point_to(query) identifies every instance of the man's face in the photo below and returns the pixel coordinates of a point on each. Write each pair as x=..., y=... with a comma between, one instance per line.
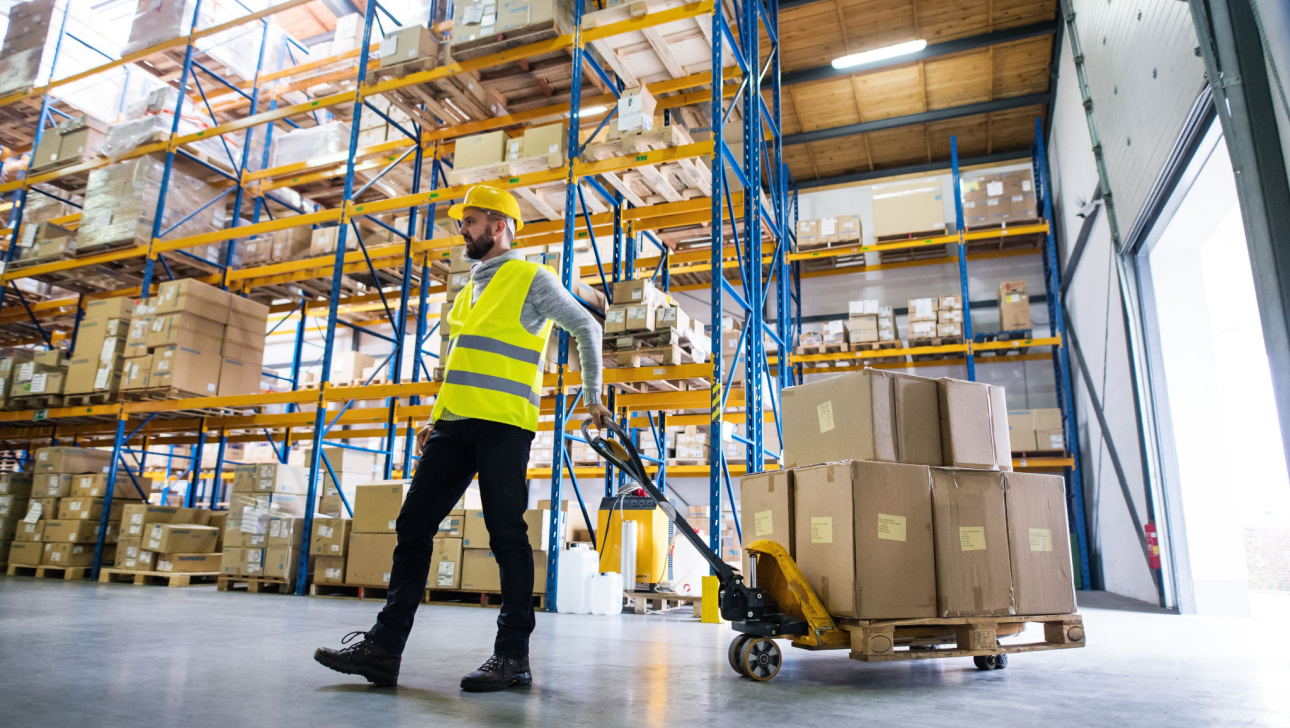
x=478, y=232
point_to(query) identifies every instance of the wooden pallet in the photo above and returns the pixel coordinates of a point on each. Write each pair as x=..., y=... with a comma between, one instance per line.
x=876, y=345
x=923, y=639
x=158, y=578
x=348, y=591
x=450, y=101
x=104, y=247
x=38, y=402
x=155, y=394
x=936, y=341
x=1016, y=350
x=674, y=355
x=466, y=598
x=254, y=585
x=67, y=573
x=911, y=237
x=813, y=349
x=677, y=181
x=647, y=602
x=503, y=170
x=33, y=262
x=89, y=400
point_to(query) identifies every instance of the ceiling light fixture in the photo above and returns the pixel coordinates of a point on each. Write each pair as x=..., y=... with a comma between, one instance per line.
x=879, y=54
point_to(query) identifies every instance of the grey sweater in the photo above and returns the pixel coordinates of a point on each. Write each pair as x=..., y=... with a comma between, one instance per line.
x=549, y=299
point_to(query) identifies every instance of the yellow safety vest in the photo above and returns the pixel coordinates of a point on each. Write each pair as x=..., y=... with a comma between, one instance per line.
x=494, y=366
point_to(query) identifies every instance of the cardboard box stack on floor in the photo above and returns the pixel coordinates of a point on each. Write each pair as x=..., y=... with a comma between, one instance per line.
x=99, y=357
x=264, y=498
x=65, y=505
x=1036, y=430
x=372, y=536
x=478, y=564
x=329, y=544
x=1014, y=306
x=15, y=496
x=140, y=545
x=196, y=340
x=903, y=505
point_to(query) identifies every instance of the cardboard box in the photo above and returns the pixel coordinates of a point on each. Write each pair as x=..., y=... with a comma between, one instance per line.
x=616, y=319
x=539, y=528
x=285, y=531
x=413, y=43
x=347, y=367
x=808, y=232
x=324, y=240
x=452, y=526
x=446, y=568
x=766, y=509
x=1014, y=306
x=189, y=563
x=969, y=430
x=636, y=108
x=1039, y=543
x=9, y=527
x=14, y=506
x=136, y=372
x=79, y=508
x=371, y=556
x=973, y=572
x=253, y=563
x=72, y=531
x=192, y=370
x=479, y=571
x=72, y=460
x=247, y=317
x=480, y=150
x=193, y=297
x=909, y=207
x=68, y=554
x=15, y=484
x=1021, y=432
x=849, y=228
x=136, y=517
x=51, y=485
x=29, y=532
x=458, y=261
x=282, y=562
x=640, y=317
x=26, y=553
x=279, y=478
x=233, y=557
x=170, y=538
x=923, y=309
x=635, y=291
x=1047, y=419
x=97, y=485
x=330, y=536
x=863, y=538
x=376, y=507
x=474, y=533
x=136, y=341
x=185, y=329
x=103, y=309
x=548, y=140
x=329, y=569
x=859, y=416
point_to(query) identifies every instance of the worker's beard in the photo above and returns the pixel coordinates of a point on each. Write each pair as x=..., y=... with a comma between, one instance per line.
x=476, y=249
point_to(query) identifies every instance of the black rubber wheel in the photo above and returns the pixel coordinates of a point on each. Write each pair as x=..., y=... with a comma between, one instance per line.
x=990, y=662
x=736, y=647
x=760, y=658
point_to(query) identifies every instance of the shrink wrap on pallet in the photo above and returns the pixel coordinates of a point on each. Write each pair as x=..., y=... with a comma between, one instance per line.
x=156, y=21
x=121, y=201
x=299, y=145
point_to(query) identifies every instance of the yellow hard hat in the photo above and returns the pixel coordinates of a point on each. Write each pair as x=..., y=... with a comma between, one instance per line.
x=489, y=198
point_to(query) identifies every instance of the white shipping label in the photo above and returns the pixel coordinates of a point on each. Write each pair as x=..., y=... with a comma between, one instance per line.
x=44, y=455
x=38, y=383
x=164, y=565
x=553, y=149
x=829, y=226
x=163, y=365
x=34, y=513
x=385, y=577
x=74, y=505
x=325, y=531
x=154, y=544
x=333, y=572
x=392, y=522
x=101, y=378
x=136, y=519
x=388, y=48
x=1025, y=185
x=615, y=315
x=994, y=188
x=210, y=387
x=55, y=556
x=158, y=324
x=25, y=370
x=472, y=15
x=335, y=548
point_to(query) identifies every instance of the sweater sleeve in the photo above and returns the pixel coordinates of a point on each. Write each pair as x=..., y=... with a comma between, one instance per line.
x=552, y=300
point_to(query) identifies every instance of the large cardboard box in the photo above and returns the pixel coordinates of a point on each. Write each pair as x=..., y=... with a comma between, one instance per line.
x=185, y=329
x=51, y=485
x=973, y=571
x=445, y=569
x=539, y=527
x=863, y=538
x=135, y=517
x=766, y=509
x=865, y=415
x=77, y=508
x=376, y=507
x=1039, y=543
x=26, y=553
x=347, y=367
x=186, y=368
x=415, y=42
x=103, y=309
x=371, y=556
x=1014, y=306
x=968, y=425
x=74, y=531
x=479, y=571
x=285, y=531
x=15, y=484
x=72, y=460
x=170, y=538
x=279, y=478
x=189, y=563
x=282, y=562
x=329, y=570
x=909, y=207
x=474, y=532
x=14, y=506
x=9, y=528
x=330, y=536
x=68, y=554
x=480, y=150
x=233, y=558
x=194, y=297
x=97, y=485
x=28, y=531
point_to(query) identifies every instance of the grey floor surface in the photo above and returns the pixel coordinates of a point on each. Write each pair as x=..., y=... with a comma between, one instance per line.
x=83, y=655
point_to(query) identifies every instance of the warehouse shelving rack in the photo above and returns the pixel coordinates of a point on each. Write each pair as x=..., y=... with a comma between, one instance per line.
x=190, y=421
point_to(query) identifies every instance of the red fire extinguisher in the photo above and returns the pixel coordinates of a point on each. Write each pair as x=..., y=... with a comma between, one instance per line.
x=1153, y=546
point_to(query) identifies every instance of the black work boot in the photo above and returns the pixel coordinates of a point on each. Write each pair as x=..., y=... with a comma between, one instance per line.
x=498, y=673
x=366, y=658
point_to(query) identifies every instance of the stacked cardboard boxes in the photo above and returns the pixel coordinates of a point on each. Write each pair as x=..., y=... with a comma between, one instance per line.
x=481, y=22
x=1014, y=306
x=478, y=565
x=24, y=44
x=922, y=318
x=329, y=544
x=949, y=316
x=1036, y=430
x=372, y=536
x=352, y=467
x=1006, y=198
x=195, y=340
x=11, y=361
x=15, y=495
x=264, y=499
x=902, y=504
x=39, y=379
x=152, y=534
x=65, y=505
x=908, y=208
x=74, y=140
x=99, y=357
x=278, y=246
x=829, y=231
x=869, y=322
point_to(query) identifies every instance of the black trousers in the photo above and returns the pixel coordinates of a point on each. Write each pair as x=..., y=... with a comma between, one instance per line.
x=456, y=451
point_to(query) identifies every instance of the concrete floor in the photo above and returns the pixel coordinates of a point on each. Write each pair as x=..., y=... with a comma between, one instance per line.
x=84, y=655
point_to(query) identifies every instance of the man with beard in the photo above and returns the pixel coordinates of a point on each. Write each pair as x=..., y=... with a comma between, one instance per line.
x=482, y=424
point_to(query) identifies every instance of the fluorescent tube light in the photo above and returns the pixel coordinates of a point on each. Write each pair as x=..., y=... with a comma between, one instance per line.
x=880, y=54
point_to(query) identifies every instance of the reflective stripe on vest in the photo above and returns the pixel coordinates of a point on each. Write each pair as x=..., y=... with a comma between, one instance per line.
x=493, y=371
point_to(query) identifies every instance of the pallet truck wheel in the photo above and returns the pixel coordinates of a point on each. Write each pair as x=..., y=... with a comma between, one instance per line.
x=760, y=658
x=990, y=662
x=736, y=648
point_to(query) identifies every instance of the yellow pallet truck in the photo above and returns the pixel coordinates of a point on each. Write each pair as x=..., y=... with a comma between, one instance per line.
x=778, y=603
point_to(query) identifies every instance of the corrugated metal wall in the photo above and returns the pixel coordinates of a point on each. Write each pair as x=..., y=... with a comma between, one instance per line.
x=1144, y=75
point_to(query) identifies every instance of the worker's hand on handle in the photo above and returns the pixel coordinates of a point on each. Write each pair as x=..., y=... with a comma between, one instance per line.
x=599, y=415
x=423, y=436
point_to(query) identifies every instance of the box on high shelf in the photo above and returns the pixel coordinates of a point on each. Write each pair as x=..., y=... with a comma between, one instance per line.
x=998, y=198
x=1039, y=429
x=1014, y=306
x=408, y=44
x=908, y=208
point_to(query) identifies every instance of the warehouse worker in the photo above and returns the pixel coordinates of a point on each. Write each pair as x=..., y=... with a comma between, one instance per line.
x=482, y=423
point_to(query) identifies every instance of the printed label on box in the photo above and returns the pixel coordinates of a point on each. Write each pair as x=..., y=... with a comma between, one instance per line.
x=1041, y=539
x=821, y=529
x=762, y=523
x=824, y=413
x=391, y=525
x=33, y=513
x=972, y=538
x=891, y=528
x=325, y=531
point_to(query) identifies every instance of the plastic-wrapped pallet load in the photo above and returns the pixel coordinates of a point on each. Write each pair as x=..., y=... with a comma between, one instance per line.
x=26, y=38
x=156, y=21
x=121, y=201
x=299, y=145
x=151, y=117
